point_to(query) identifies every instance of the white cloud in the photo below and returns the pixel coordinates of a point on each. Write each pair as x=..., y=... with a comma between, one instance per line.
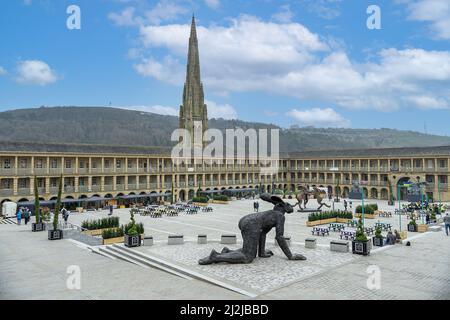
x=319, y=118
x=35, y=72
x=325, y=9
x=285, y=14
x=436, y=12
x=170, y=111
x=2, y=71
x=125, y=18
x=250, y=54
x=214, y=4
x=224, y=111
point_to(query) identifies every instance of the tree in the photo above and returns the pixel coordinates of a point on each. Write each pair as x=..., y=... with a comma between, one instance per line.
x=58, y=205
x=36, y=202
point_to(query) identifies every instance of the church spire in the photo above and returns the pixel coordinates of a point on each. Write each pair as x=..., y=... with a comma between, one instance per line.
x=193, y=108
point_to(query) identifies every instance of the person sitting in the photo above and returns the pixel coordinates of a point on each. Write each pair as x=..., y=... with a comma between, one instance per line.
x=391, y=239
x=397, y=236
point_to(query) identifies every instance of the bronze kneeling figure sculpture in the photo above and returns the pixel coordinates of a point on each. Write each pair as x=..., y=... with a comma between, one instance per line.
x=254, y=228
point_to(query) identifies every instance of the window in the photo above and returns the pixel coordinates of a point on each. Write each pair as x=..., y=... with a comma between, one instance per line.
x=54, y=164
x=41, y=183
x=442, y=163
x=94, y=164
x=68, y=164
x=107, y=163
x=7, y=164
x=22, y=183
x=39, y=163
x=7, y=183
x=118, y=164
x=130, y=164
x=23, y=163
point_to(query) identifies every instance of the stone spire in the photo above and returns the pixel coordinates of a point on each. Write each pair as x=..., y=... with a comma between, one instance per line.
x=193, y=108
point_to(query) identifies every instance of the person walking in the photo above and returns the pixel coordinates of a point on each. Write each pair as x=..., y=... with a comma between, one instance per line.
x=110, y=210
x=19, y=216
x=447, y=223
x=65, y=215
x=345, y=205
x=26, y=215
x=257, y=206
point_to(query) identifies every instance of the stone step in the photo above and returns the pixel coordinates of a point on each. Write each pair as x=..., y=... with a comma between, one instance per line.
x=186, y=272
x=145, y=260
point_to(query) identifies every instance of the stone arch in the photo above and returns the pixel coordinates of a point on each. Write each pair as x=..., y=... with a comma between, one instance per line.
x=22, y=200
x=345, y=192
x=384, y=194
x=366, y=193
x=182, y=195
x=132, y=194
x=374, y=193
x=83, y=196
x=108, y=196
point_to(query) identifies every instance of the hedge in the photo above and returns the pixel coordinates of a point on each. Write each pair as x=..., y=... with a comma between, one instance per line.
x=112, y=222
x=200, y=199
x=221, y=198
x=329, y=215
x=368, y=209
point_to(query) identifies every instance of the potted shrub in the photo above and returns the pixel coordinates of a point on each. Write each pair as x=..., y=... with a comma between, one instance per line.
x=38, y=225
x=55, y=233
x=412, y=225
x=361, y=244
x=132, y=235
x=378, y=240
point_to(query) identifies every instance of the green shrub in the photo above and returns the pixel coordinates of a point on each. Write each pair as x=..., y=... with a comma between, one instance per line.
x=360, y=234
x=315, y=216
x=200, y=199
x=105, y=223
x=220, y=198
x=112, y=233
x=378, y=232
x=368, y=209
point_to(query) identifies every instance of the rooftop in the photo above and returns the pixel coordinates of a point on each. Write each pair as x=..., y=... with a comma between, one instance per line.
x=94, y=149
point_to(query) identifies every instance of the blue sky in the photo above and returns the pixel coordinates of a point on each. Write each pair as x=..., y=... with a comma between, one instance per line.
x=298, y=62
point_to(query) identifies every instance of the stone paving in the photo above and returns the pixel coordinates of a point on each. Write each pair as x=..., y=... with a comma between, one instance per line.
x=31, y=267
x=264, y=274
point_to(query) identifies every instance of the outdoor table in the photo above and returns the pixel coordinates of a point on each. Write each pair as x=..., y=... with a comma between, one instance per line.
x=320, y=231
x=336, y=226
x=346, y=233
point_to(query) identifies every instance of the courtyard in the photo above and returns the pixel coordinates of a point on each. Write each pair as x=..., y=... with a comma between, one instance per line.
x=416, y=272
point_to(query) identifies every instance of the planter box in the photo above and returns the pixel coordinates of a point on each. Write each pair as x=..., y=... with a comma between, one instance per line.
x=132, y=241
x=412, y=227
x=422, y=228
x=361, y=247
x=378, y=242
x=319, y=222
x=55, y=234
x=200, y=204
x=219, y=202
x=96, y=232
x=113, y=240
x=343, y=220
x=366, y=216
x=37, y=227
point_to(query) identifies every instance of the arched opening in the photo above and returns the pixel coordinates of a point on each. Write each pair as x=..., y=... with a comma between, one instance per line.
x=374, y=193
x=83, y=196
x=191, y=194
x=345, y=192
x=182, y=195
x=22, y=200
x=384, y=194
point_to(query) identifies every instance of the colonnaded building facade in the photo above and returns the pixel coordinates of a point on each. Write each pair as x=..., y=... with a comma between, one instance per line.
x=99, y=171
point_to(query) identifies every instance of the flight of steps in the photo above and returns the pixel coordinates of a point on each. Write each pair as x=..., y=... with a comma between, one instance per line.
x=119, y=251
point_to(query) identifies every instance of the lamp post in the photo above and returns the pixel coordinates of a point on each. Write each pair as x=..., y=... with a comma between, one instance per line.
x=363, y=208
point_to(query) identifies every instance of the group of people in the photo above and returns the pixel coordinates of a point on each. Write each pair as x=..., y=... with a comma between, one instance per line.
x=25, y=214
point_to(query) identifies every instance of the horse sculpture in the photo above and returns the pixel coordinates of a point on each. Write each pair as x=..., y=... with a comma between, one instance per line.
x=254, y=228
x=303, y=195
